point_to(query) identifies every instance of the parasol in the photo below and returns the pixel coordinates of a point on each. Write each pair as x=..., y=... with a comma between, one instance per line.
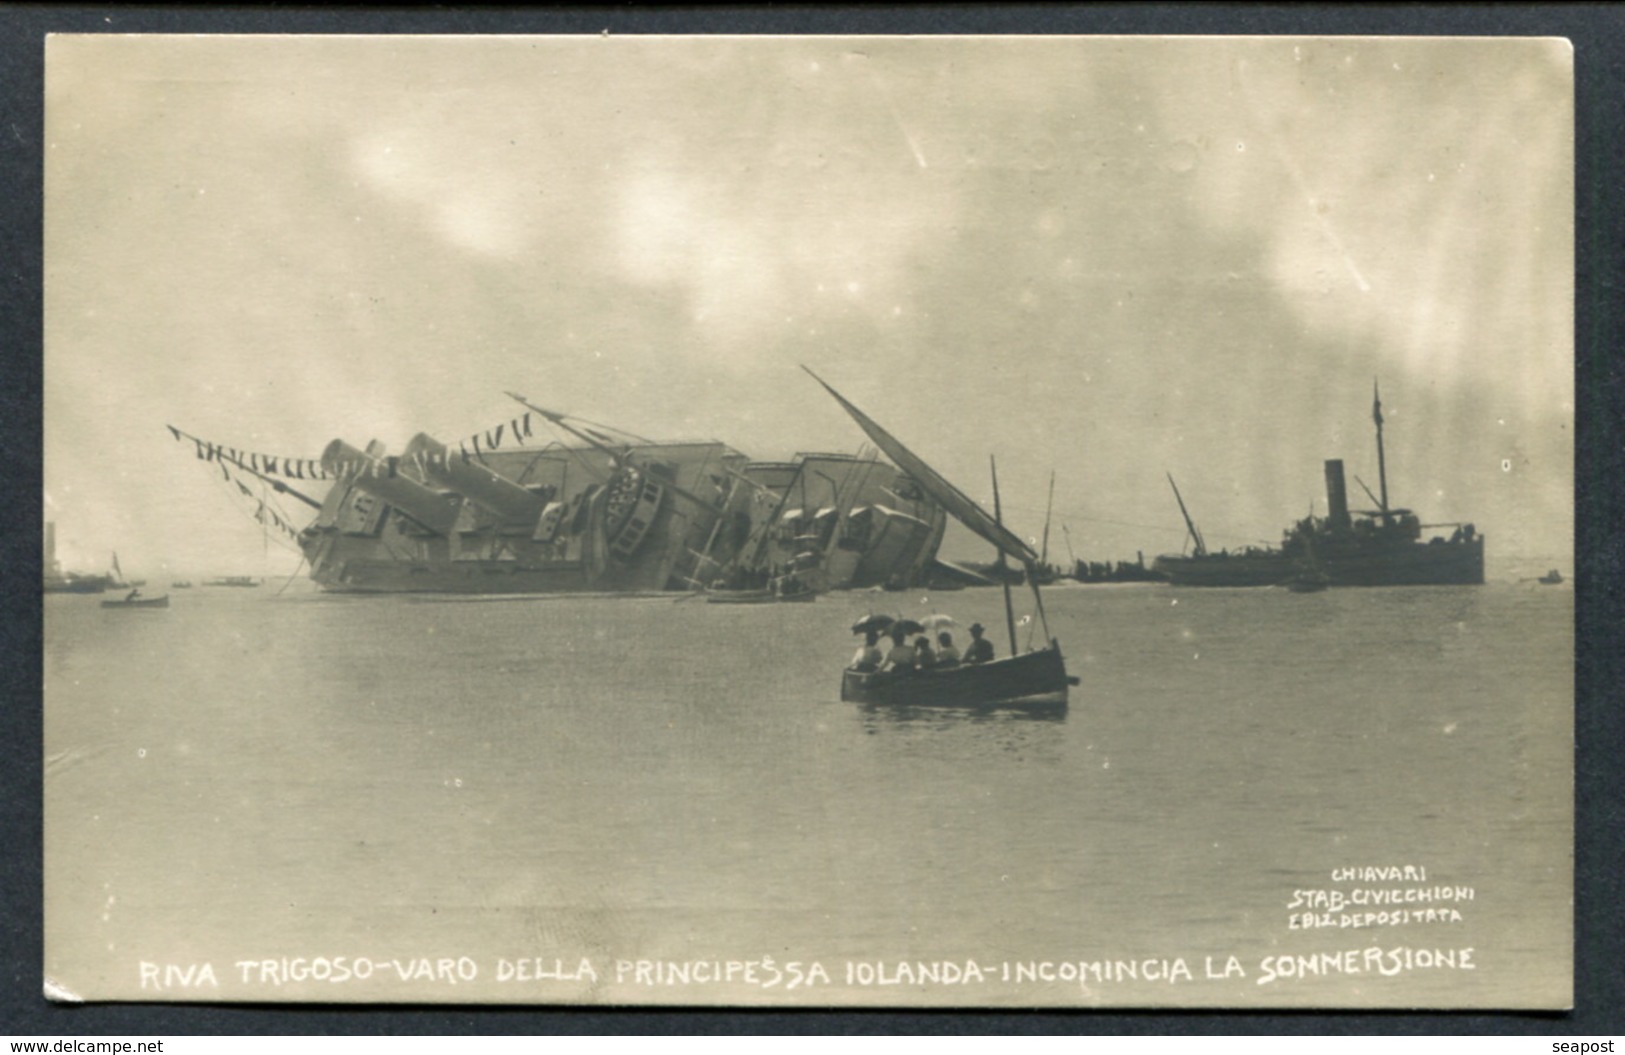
x=877, y=623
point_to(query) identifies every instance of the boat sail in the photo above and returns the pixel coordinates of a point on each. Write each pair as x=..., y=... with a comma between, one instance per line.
x=1036, y=678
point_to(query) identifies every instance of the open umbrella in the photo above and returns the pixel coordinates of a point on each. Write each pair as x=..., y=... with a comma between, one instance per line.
x=938, y=621
x=877, y=623
x=908, y=626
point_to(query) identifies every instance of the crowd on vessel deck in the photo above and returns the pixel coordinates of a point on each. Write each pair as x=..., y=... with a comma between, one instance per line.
x=918, y=654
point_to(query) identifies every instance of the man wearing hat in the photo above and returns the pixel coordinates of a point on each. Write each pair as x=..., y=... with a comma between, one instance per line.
x=980, y=649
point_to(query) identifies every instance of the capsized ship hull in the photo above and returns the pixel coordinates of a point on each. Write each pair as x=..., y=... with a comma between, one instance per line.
x=638, y=519
x=836, y=521
x=555, y=520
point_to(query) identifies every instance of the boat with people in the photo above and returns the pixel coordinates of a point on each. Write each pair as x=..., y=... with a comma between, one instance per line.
x=1308, y=580
x=1031, y=679
x=1372, y=547
x=134, y=600
x=1036, y=678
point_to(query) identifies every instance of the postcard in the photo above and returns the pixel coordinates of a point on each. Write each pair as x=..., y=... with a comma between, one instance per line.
x=828, y=521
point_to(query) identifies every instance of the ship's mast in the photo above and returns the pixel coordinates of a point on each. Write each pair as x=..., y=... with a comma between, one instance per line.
x=772, y=521
x=618, y=455
x=1382, y=466
x=1049, y=510
x=1004, y=576
x=621, y=456
x=1190, y=525
x=276, y=485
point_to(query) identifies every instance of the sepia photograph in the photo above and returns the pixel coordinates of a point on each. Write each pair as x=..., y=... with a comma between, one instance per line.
x=999, y=522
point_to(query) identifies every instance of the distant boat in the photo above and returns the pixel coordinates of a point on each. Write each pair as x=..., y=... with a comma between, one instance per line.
x=1308, y=581
x=74, y=583
x=135, y=600
x=1551, y=578
x=180, y=584
x=1034, y=679
x=1120, y=572
x=232, y=580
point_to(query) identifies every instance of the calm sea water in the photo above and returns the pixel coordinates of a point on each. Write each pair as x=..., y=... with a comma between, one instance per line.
x=641, y=800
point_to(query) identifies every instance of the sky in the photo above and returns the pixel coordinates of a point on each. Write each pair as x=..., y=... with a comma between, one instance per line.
x=1110, y=259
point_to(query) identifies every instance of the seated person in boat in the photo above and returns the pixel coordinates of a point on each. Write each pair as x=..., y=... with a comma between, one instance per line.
x=947, y=654
x=901, y=656
x=868, y=657
x=923, y=657
x=980, y=649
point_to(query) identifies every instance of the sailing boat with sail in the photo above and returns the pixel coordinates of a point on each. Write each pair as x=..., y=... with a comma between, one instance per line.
x=1036, y=678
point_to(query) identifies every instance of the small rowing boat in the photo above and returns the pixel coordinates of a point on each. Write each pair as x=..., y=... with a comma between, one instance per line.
x=135, y=600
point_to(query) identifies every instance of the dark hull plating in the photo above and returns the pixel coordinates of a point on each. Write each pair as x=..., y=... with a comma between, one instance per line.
x=1224, y=569
x=661, y=517
x=1350, y=563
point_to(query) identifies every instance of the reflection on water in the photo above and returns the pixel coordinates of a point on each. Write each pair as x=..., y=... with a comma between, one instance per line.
x=878, y=715
x=249, y=776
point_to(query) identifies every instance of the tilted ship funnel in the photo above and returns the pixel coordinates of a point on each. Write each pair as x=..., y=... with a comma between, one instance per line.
x=378, y=477
x=472, y=479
